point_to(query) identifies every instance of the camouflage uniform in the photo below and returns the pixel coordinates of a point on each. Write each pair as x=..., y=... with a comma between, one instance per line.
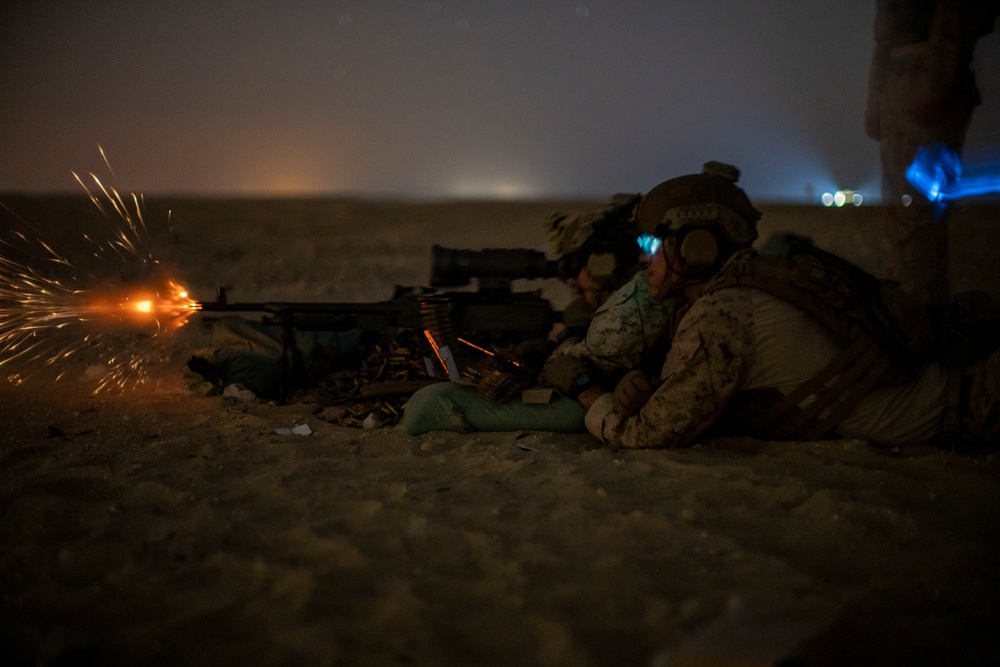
x=703, y=370
x=921, y=91
x=740, y=338
x=623, y=330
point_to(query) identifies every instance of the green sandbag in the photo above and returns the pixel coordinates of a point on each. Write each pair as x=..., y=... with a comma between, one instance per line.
x=447, y=406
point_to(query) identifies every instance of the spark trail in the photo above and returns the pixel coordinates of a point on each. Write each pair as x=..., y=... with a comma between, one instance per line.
x=112, y=301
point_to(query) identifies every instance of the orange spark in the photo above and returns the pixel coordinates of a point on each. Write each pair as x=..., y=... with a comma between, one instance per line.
x=51, y=309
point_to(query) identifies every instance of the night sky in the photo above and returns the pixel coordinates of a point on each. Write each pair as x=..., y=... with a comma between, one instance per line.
x=460, y=98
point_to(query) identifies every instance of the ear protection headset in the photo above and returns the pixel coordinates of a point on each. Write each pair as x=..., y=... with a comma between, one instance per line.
x=699, y=251
x=602, y=265
x=612, y=251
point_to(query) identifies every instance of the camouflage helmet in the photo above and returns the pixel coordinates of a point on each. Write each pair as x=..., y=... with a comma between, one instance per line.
x=602, y=239
x=709, y=200
x=590, y=231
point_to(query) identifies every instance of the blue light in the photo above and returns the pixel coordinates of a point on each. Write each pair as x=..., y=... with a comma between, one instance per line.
x=934, y=168
x=978, y=180
x=649, y=244
x=936, y=172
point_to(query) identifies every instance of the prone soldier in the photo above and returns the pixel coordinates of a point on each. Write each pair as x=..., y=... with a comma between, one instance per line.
x=761, y=351
x=602, y=262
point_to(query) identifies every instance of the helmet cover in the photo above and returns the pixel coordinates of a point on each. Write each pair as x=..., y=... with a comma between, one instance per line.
x=595, y=230
x=709, y=200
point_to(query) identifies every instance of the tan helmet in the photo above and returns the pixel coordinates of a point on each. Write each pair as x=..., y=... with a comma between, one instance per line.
x=708, y=214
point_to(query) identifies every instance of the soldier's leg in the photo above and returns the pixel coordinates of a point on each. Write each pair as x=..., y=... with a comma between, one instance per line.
x=982, y=418
x=915, y=229
x=917, y=246
x=913, y=112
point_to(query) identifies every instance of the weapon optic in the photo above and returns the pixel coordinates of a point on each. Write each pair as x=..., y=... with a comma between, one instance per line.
x=493, y=268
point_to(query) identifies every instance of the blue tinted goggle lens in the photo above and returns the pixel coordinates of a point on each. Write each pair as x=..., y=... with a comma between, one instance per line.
x=649, y=243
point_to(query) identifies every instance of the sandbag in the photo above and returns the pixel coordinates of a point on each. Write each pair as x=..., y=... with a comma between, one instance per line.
x=448, y=406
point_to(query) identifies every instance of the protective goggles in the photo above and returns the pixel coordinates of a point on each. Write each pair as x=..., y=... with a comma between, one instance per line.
x=649, y=244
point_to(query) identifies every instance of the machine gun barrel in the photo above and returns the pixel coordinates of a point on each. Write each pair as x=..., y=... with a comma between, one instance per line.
x=319, y=316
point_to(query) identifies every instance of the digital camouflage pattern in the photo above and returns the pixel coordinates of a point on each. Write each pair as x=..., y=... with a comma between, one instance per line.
x=729, y=341
x=623, y=329
x=707, y=365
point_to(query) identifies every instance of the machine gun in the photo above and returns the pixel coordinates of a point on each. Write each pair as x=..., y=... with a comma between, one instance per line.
x=457, y=324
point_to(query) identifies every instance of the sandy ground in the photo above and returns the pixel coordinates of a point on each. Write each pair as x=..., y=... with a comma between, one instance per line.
x=155, y=527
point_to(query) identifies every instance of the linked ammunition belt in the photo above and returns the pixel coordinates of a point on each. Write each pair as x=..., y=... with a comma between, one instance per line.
x=398, y=366
x=380, y=385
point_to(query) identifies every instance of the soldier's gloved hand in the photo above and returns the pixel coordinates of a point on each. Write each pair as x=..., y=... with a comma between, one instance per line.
x=632, y=392
x=566, y=373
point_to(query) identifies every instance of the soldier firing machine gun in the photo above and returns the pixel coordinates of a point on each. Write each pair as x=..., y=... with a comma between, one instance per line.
x=457, y=324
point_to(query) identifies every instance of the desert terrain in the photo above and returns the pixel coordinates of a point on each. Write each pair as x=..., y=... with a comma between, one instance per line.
x=152, y=526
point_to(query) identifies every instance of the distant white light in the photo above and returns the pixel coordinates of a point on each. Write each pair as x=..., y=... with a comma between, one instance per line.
x=582, y=12
x=841, y=198
x=490, y=189
x=506, y=191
